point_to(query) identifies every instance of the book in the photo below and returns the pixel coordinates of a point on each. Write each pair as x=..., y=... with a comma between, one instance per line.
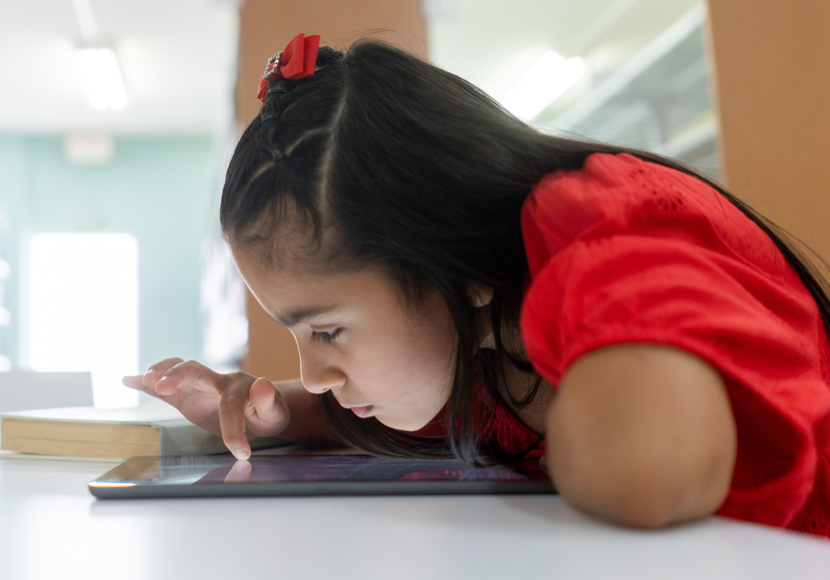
x=150, y=429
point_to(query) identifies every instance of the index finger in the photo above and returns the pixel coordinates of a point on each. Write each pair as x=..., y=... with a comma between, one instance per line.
x=232, y=420
x=157, y=370
x=188, y=374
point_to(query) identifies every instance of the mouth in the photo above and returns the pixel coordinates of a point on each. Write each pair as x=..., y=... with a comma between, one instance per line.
x=361, y=412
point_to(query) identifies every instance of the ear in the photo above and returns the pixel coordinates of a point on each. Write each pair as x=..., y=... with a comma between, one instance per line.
x=480, y=295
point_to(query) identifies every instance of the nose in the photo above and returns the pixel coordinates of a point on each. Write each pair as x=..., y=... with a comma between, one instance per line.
x=318, y=376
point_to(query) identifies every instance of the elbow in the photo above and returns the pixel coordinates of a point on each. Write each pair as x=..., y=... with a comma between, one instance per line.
x=625, y=500
x=639, y=491
x=642, y=435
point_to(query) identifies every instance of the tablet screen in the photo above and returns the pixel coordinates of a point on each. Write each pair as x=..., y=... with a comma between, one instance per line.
x=274, y=475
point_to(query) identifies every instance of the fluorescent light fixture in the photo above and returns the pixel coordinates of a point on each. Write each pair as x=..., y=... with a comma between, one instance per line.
x=86, y=19
x=542, y=84
x=101, y=77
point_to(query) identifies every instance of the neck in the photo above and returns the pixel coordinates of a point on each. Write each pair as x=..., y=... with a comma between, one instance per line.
x=519, y=382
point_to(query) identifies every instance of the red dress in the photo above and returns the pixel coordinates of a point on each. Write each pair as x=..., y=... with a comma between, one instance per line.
x=625, y=251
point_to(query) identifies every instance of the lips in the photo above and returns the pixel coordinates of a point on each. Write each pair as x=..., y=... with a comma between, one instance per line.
x=362, y=412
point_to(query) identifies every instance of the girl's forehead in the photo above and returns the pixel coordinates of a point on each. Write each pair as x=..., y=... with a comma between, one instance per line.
x=296, y=297
x=292, y=252
x=284, y=234
x=299, y=275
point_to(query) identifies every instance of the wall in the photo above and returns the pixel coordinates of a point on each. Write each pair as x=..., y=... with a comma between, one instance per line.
x=773, y=93
x=154, y=188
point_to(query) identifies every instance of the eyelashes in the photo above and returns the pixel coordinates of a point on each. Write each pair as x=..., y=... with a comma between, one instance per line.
x=325, y=336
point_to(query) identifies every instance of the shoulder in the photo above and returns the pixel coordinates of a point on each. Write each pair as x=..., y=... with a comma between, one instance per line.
x=601, y=198
x=617, y=188
x=620, y=194
x=626, y=251
x=626, y=176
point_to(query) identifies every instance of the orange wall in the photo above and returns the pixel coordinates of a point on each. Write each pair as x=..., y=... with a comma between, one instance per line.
x=772, y=67
x=266, y=26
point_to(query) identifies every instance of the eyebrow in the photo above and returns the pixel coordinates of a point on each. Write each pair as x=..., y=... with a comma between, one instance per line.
x=301, y=314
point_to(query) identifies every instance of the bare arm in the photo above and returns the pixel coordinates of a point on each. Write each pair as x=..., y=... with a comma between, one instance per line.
x=642, y=435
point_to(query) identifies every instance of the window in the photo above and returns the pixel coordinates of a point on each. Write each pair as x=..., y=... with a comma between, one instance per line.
x=83, y=309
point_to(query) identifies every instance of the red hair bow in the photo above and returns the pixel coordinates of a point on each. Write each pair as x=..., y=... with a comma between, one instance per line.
x=297, y=61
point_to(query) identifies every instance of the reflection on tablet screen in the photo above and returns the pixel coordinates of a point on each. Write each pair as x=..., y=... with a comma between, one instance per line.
x=357, y=468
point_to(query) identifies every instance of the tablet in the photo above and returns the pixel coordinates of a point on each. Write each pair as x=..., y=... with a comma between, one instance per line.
x=305, y=475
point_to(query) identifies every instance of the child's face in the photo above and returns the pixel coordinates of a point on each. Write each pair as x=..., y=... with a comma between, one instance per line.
x=359, y=338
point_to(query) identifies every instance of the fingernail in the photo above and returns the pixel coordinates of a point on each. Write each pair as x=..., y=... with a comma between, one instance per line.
x=160, y=383
x=242, y=454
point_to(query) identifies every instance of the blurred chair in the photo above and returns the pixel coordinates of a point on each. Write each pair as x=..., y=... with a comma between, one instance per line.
x=21, y=390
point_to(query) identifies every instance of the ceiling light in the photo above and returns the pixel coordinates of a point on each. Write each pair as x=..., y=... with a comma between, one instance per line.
x=86, y=20
x=101, y=77
x=542, y=84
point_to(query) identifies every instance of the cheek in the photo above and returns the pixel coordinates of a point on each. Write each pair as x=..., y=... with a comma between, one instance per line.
x=441, y=344
x=402, y=362
x=431, y=347
x=414, y=367
x=431, y=361
x=409, y=376
x=406, y=345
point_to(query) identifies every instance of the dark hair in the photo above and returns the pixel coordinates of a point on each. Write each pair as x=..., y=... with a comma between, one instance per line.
x=391, y=161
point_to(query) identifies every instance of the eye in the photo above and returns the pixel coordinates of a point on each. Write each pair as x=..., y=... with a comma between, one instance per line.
x=325, y=335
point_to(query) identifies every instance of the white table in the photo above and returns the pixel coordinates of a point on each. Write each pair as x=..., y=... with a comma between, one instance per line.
x=52, y=528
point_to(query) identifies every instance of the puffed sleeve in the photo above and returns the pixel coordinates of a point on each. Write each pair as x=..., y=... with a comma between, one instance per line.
x=762, y=332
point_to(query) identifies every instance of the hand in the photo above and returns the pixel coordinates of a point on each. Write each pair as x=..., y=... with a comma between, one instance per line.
x=235, y=406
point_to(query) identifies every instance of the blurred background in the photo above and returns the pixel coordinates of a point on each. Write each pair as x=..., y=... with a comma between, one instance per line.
x=117, y=119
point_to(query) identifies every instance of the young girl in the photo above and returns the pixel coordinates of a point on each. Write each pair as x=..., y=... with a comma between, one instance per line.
x=460, y=284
